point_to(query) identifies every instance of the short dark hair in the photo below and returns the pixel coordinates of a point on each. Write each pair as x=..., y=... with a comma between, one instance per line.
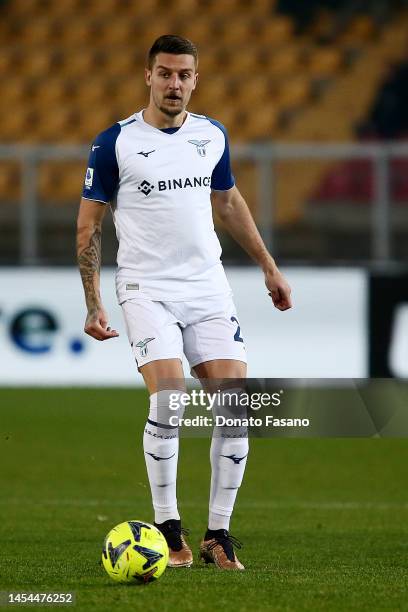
x=170, y=43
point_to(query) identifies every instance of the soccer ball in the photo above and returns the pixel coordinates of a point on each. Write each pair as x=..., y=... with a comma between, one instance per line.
x=135, y=551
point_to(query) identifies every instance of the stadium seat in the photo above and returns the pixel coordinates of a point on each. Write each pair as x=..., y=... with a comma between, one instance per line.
x=39, y=63
x=200, y=31
x=254, y=91
x=13, y=90
x=260, y=123
x=293, y=91
x=60, y=182
x=55, y=126
x=244, y=64
x=80, y=62
x=10, y=181
x=211, y=92
x=323, y=62
x=15, y=126
x=275, y=31
x=360, y=30
x=90, y=92
x=236, y=31
x=283, y=61
x=49, y=92
x=78, y=32
x=39, y=31
x=119, y=30
x=120, y=63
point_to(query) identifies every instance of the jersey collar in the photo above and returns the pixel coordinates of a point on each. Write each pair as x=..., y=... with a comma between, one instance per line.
x=139, y=116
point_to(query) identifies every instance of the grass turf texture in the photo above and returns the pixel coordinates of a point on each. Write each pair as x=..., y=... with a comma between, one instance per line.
x=324, y=522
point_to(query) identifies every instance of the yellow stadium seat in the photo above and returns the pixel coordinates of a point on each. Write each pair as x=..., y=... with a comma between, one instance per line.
x=361, y=29
x=80, y=62
x=324, y=62
x=275, y=31
x=14, y=126
x=10, y=181
x=13, y=90
x=185, y=8
x=213, y=91
x=90, y=92
x=244, y=63
x=50, y=92
x=208, y=63
x=120, y=62
x=92, y=121
x=118, y=30
x=200, y=31
x=237, y=31
x=38, y=63
x=143, y=10
x=282, y=62
x=254, y=91
x=77, y=32
x=225, y=8
x=260, y=122
x=60, y=182
x=66, y=8
x=38, y=31
x=294, y=91
x=9, y=62
x=54, y=126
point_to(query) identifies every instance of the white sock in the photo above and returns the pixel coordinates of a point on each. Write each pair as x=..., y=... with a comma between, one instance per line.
x=228, y=455
x=160, y=445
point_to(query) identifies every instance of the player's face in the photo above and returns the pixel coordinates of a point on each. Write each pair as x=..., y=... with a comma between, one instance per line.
x=172, y=80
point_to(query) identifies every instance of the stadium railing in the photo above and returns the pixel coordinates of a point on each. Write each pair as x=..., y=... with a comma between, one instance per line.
x=266, y=158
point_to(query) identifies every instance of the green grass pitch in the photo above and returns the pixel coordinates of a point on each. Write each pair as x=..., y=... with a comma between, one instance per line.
x=324, y=522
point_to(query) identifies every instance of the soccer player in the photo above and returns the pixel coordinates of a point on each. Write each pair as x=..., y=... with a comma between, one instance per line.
x=160, y=170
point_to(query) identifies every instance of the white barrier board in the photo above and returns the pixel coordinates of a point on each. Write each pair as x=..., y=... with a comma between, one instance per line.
x=42, y=314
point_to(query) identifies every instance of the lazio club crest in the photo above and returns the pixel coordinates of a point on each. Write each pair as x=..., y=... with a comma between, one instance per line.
x=200, y=146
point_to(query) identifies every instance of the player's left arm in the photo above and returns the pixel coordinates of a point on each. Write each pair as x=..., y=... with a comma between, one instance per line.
x=235, y=215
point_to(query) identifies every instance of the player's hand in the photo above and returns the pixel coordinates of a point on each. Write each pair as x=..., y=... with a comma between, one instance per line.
x=96, y=325
x=279, y=289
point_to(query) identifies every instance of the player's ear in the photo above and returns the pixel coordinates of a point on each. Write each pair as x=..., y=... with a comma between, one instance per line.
x=195, y=80
x=148, y=76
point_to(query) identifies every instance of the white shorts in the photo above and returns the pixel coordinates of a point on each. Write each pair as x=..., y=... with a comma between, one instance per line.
x=202, y=329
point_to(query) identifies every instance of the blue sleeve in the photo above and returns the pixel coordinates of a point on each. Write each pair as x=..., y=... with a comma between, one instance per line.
x=102, y=174
x=222, y=178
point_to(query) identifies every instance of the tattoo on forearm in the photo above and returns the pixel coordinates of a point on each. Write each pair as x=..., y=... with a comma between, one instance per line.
x=89, y=262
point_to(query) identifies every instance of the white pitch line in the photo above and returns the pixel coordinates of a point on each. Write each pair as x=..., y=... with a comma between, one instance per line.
x=90, y=503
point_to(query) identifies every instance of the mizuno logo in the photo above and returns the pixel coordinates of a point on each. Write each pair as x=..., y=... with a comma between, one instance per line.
x=234, y=458
x=142, y=344
x=157, y=458
x=200, y=146
x=95, y=147
x=146, y=153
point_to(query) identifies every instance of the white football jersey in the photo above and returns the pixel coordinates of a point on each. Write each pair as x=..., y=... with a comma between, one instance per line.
x=158, y=183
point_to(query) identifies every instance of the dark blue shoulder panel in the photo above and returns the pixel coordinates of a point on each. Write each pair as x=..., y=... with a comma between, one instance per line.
x=222, y=178
x=102, y=175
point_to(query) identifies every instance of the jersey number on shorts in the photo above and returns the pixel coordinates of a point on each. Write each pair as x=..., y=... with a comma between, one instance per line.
x=237, y=336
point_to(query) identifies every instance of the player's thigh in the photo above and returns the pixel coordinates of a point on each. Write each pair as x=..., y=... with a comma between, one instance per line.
x=156, y=341
x=213, y=344
x=221, y=369
x=163, y=374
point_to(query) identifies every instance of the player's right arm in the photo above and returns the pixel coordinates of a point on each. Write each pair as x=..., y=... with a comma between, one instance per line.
x=89, y=233
x=100, y=185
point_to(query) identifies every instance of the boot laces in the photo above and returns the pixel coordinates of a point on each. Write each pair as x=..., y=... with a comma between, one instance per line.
x=227, y=542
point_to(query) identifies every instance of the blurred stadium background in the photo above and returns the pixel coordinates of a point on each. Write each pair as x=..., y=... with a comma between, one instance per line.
x=314, y=95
